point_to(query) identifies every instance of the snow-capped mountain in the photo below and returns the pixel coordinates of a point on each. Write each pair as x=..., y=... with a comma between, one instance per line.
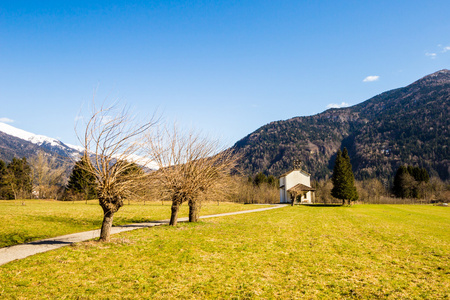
x=16, y=142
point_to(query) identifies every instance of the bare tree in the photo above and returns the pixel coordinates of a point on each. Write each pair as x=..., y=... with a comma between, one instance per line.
x=244, y=191
x=112, y=143
x=48, y=177
x=189, y=166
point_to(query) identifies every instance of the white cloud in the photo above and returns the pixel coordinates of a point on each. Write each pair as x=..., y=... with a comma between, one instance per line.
x=371, y=78
x=335, y=105
x=441, y=49
x=6, y=120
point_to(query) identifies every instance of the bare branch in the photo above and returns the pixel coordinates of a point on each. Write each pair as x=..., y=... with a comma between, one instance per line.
x=189, y=166
x=112, y=143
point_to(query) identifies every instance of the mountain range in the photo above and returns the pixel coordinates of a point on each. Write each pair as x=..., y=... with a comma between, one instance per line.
x=15, y=142
x=408, y=125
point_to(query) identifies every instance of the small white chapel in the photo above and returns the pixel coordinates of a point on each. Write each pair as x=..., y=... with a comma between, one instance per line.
x=295, y=185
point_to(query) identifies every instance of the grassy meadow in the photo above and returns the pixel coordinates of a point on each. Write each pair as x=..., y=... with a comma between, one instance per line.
x=39, y=219
x=364, y=251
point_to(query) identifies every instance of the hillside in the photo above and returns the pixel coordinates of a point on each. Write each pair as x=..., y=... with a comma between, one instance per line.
x=408, y=125
x=15, y=142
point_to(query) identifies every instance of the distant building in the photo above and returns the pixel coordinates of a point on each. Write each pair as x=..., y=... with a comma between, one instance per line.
x=296, y=185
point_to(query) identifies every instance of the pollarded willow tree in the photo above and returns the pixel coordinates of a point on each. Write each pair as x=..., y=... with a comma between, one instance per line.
x=189, y=167
x=112, y=142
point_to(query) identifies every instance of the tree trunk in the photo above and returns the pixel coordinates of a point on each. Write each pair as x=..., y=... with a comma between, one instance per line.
x=174, y=215
x=110, y=206
x=105, y=232
x=193, y=211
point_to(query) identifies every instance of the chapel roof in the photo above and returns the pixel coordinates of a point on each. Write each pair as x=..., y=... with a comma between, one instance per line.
x=301, y=188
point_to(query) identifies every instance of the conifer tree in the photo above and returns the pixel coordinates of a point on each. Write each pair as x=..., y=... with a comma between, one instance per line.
x=2, y=179
x=399, y=188
x=81, y=181
x=260, y=178
x=343, y=178
x=407, y=181
x=271, y=180
x=18, y=179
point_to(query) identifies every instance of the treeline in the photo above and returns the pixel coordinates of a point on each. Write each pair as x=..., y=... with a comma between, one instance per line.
x=410, y=182
x=15, y=179
x=411, y=185
x=40, y=177
x=256, y=189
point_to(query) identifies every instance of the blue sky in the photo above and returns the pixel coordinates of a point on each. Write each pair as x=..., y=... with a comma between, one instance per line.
x=224, y=67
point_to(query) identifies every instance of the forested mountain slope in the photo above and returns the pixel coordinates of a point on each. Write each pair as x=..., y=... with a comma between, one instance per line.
x=408, y=125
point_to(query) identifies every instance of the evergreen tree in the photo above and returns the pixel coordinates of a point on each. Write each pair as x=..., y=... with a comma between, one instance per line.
x=260, y=178
x=338, y=177
x=350, y=176
x=407, y=181
x=271, y=180
x=2, y=179
x=399, y=182
x=343, y=178
x=131, y=169
x=17, y=179
x=81, y=182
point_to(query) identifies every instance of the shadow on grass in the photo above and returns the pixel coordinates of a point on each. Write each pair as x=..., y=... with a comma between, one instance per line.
x=144, y=224
x=323, y=205
x=71, y=221
x=55, y=242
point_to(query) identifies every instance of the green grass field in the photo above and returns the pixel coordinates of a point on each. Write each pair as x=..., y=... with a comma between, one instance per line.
x=39, y=219
x=364, y=251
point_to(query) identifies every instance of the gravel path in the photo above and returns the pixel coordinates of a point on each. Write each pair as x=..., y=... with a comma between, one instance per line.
x=11, y=253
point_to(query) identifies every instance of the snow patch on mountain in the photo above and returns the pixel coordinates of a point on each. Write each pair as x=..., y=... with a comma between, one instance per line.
x=78, y=148
x=66, y=149
x=35, y=138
